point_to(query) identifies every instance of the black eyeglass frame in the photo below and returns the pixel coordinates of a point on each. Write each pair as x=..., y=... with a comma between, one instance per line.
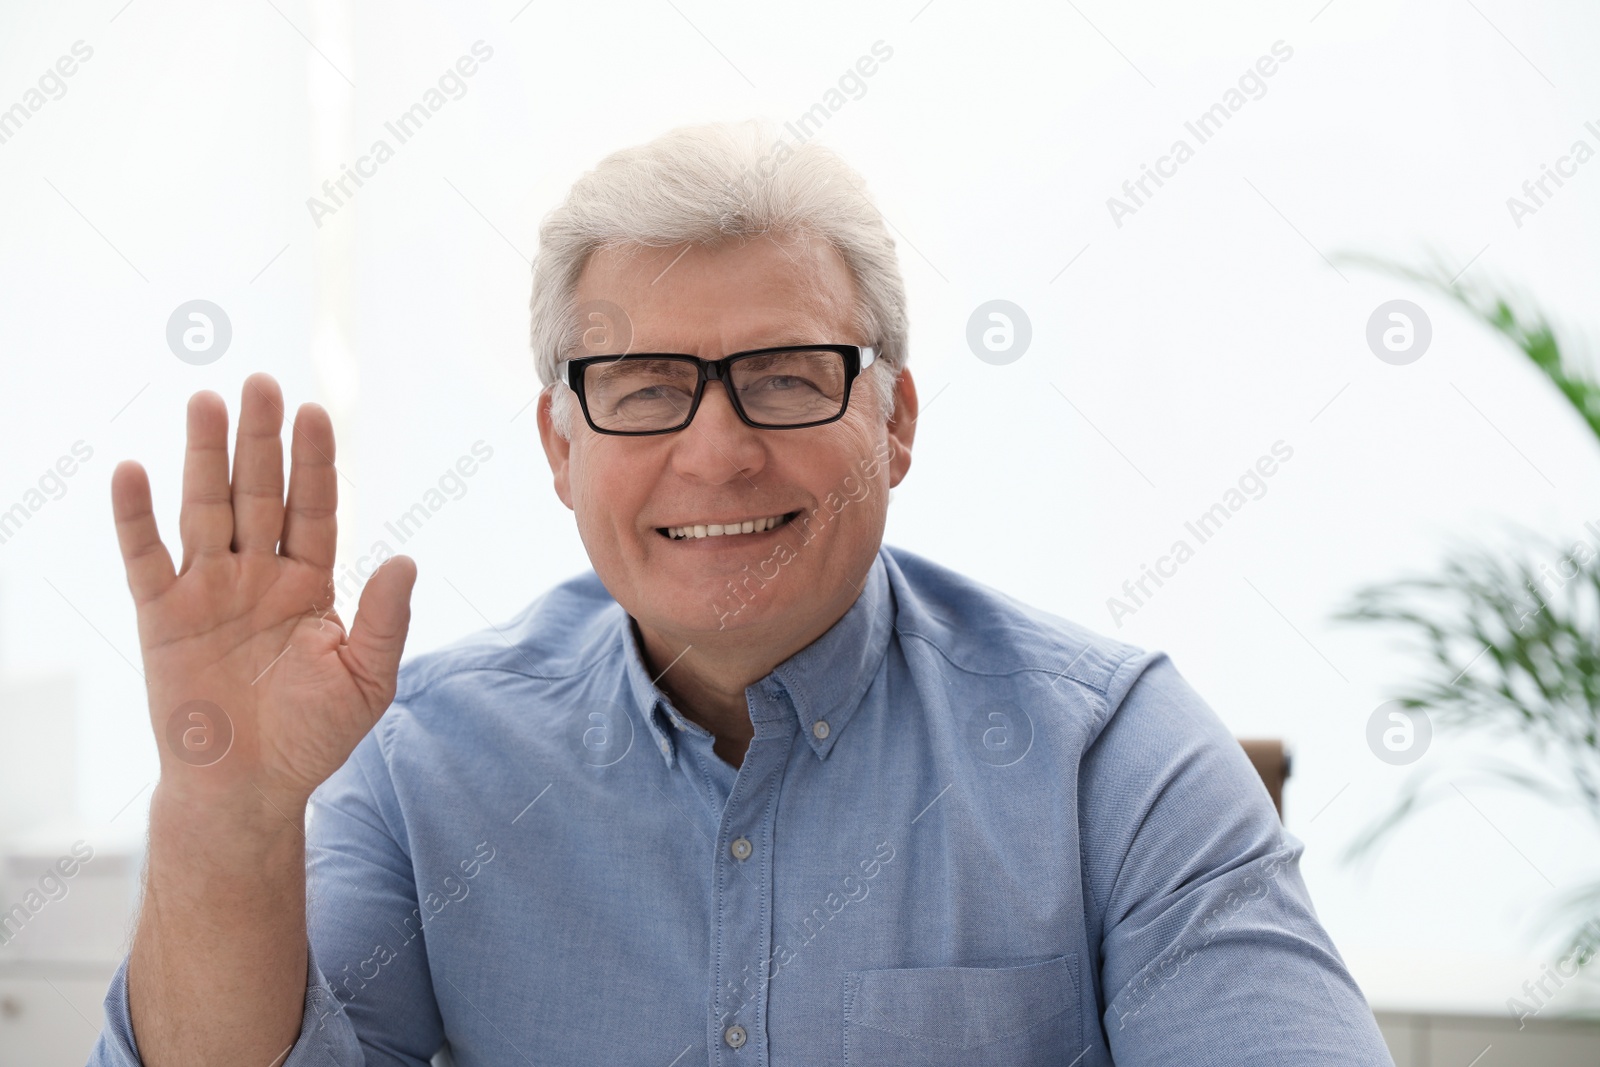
x=857, y=358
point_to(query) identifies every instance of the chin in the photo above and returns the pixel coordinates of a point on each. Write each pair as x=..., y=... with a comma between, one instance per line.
x=726, y=612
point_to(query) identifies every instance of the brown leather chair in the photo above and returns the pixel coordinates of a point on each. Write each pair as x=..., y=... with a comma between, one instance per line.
x=1271, y=762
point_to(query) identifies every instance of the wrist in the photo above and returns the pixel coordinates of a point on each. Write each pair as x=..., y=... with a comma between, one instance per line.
x=246, y=814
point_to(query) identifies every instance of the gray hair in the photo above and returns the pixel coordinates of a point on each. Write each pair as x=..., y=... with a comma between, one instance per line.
x=707, y=184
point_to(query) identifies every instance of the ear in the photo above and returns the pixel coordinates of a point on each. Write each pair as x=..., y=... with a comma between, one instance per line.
x=902, y=427
x=557, y=449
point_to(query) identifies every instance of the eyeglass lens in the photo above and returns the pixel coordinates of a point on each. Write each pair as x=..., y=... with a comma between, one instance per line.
x=782, y=388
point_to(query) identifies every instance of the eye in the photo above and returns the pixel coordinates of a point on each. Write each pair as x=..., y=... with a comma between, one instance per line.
x=660, y=393
x=783, y=383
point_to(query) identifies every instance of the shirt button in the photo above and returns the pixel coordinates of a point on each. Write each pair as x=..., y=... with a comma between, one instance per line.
x=663, y=745
x=740, y=848
x=734, y=1035
x=819, y=729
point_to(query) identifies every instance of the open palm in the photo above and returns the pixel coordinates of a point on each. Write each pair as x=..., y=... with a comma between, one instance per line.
x=254, y=685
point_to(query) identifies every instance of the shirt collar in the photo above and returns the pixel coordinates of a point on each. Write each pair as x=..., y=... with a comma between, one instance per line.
x=825, y=681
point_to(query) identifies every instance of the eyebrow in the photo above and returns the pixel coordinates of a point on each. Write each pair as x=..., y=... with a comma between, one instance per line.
x=777, y=338
x=792, y=329
x=603, y=370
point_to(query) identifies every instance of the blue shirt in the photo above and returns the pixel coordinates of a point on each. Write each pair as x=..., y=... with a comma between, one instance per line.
x=966, y=831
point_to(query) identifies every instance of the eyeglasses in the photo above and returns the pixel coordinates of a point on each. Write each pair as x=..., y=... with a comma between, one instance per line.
x=783, y=388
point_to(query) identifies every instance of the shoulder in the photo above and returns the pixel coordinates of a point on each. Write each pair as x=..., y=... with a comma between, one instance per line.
x=560, y=634
x=470, y=715
x=980, y=630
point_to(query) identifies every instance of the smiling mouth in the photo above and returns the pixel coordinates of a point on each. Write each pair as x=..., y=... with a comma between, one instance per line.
x=744, y=528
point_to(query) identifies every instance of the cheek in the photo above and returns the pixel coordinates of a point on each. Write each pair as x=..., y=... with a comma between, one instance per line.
x=592, y=512
x=588, y=472
x=609, y=492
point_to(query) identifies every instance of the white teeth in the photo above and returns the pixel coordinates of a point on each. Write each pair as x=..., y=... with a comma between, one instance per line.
x=682, y=533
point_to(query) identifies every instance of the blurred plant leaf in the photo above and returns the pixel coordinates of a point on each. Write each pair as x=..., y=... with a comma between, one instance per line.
x=1510, y=637
x=1529, y=330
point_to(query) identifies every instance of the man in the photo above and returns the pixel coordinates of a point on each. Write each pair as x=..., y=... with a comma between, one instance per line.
x=758, y=790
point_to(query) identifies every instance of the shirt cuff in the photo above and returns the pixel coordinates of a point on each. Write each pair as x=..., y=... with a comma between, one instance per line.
x=327, y=1037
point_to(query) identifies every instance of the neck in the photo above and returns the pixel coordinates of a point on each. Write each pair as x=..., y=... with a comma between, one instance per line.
x=706, y=676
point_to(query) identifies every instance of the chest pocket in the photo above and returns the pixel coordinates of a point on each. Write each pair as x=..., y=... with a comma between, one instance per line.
x=957, y=1016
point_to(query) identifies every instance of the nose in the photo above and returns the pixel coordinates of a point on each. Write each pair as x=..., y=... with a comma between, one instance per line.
x=717, y=446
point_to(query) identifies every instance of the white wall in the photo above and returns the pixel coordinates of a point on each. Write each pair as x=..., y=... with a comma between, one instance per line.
x=1188, y=340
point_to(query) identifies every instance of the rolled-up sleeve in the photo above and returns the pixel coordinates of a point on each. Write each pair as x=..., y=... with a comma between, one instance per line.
x=369, y=996
x=325, y=1040
x=1211, y=951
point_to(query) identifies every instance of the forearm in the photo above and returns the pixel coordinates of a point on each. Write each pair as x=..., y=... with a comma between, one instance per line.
x=217, y=971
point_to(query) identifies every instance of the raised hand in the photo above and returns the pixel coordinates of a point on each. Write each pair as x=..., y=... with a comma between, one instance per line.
x=255, y=690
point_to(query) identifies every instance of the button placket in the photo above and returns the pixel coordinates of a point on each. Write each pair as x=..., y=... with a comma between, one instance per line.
x=742, y=925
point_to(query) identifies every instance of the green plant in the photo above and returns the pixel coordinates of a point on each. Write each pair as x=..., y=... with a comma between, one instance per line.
x=1512, y=636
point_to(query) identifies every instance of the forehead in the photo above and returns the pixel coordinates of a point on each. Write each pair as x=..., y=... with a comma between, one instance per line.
x=735, y=293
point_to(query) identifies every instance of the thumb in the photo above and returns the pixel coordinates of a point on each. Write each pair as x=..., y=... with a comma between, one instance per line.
x=383, y=616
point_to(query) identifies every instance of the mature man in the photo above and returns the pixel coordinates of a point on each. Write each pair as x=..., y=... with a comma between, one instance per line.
x=758, y=790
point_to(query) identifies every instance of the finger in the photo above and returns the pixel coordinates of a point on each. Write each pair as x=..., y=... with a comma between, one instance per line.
x=144, y=557
x=258, y=467
x=311, y=528
x=378, y=634
x=205, y=523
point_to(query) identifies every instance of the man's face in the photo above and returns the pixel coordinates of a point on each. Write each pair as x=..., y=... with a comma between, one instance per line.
x=770, y=587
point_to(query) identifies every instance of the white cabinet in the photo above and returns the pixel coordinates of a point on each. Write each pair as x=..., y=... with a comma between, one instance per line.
x=67, y=894
x=50, y=1016
x=1439, y=1040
